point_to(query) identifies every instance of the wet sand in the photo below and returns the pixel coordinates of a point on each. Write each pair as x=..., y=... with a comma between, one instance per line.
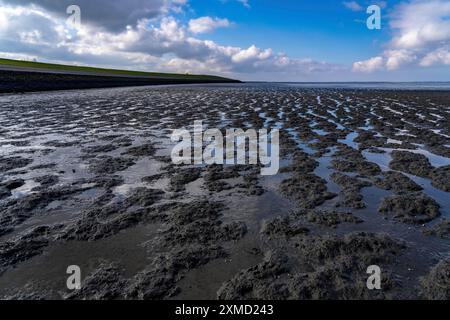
x=86, y=179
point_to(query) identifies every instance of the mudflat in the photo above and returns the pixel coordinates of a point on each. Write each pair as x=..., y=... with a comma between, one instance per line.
x=86, y=179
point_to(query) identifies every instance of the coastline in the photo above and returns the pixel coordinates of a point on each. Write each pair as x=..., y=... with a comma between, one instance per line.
x=15, y=81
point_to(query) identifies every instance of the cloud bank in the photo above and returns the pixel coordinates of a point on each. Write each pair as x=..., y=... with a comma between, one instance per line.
x=150, y=35
x=156, y=41
x=207, y=24
x=421, y=37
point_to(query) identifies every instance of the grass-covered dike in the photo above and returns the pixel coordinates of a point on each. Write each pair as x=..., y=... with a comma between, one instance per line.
x=26, y=76
x=61, y=67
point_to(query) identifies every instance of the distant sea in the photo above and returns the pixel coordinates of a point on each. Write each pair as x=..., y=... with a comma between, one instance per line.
x=373, y=85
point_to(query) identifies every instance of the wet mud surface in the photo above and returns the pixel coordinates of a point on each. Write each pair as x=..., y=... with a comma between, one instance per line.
x=86, y=179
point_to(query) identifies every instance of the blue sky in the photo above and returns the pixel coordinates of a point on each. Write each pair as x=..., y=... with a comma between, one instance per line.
x=325, y=30
x=248, y=39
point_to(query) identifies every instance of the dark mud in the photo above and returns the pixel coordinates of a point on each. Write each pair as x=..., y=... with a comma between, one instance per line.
x=351, y=187
x=441, y=230
x=436, y=285
x=24, y=246
x=109, y=165
x=415, y=208
x=7, y=164
x=397, y=183
x=317, y=268
x=416, y=164
x=86, y=179
x=329, y=218
x=307, y=190
x=440, y=178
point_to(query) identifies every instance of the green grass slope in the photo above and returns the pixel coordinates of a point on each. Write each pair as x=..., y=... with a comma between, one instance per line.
x=61, y=67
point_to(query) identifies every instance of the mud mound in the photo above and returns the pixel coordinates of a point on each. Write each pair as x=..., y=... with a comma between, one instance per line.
x=321, y=268
x=440, y=178
x=104, y=221
x=367, y=139
x=25, y=246
x=4, y=193
x=100, y=148
x=145, y=150
x=198, y=223
x=159, y=280
x=441, y=230
x=364, y=168
x=7, y=164
x=413, y=163
x=216, y=174
x=397, y=182
x=91, y=227
x=204, y=232
x=143, y=197
x=436, y=285
x=92, y=151
x=110, y=165
x=107, y=182
x=105, y=283
x=301, y=163
x=179, y=180
x=351, y=187
x=307, y=190
x=12, y=184
x=329, y=218
x=46, y=182
x=283, y=226
x=17, y=211
x=412, y=208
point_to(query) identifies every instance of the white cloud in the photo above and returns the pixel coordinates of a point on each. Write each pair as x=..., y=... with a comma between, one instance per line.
x=108, y=14
x=3, y=20
x=399, y=57
x=353, y=5
x=207, y=24
x=369, y=65
x=251, y=54
x=421, y=35
x=422, y=23
x=439, y=56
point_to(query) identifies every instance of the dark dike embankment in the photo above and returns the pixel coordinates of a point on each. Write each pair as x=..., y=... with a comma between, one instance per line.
x=16, y=82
